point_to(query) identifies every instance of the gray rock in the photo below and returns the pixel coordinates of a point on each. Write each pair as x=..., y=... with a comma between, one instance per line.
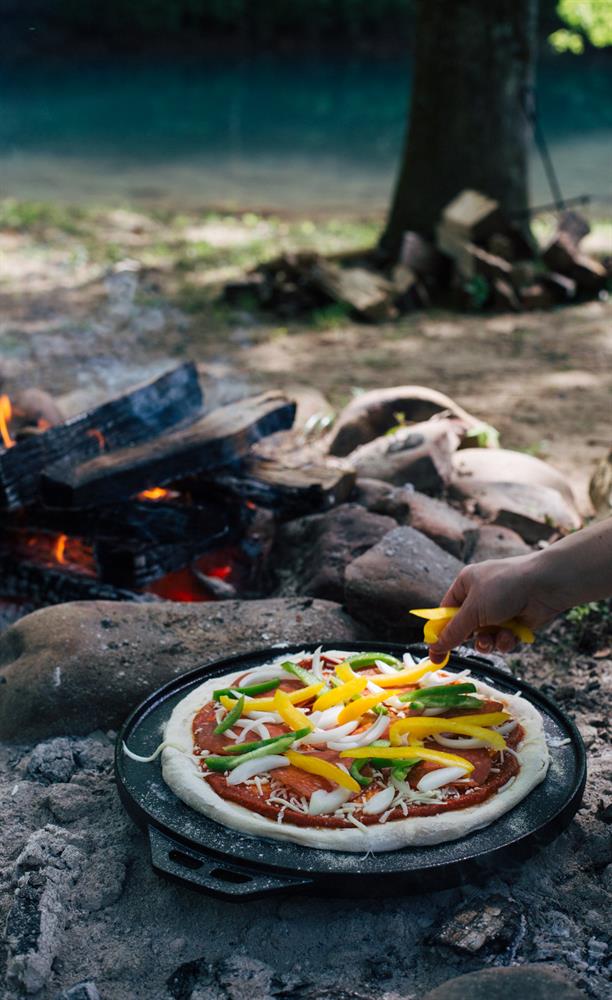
x=490, y=924
x=405, y=570
x=444, y=524
x=80, y=991
x=535, y=512
x=69, y=802
x=311, y=554
x=82, y=666
x=537, y=982
x=52, y=761
x=419, y=454
x=495, y=542
x=371, y=414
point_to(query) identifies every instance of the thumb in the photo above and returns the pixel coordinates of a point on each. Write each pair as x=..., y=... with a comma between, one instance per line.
x=457, y=631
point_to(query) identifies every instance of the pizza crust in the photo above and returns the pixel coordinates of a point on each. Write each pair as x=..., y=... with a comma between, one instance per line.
x=181, y=771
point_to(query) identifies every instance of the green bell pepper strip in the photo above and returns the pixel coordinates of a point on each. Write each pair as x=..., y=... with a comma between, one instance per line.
x=305, y=676
x=362, y=660
x=355, y=772
x=279, y=745
x=249, y=690
x=401, y=769
x=380, y=710
x=232, y=716
x=241, y=748
x=439, y=694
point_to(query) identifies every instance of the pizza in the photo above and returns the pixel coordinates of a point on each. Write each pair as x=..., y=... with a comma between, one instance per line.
x=353, y=751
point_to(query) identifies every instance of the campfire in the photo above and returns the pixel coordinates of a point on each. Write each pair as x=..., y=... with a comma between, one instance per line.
x=146, y=496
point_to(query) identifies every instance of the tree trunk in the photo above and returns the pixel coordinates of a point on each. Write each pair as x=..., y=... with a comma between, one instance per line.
x=467, y=127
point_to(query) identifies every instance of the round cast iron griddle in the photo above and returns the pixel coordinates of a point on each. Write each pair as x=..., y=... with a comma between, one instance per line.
x=228, y=864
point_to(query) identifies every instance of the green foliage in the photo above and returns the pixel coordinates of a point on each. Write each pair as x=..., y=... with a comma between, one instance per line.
x=485, y=435
x=589, y=20
x=590, y=625
x=330, y=317
x=478, y=291
x=39, y=215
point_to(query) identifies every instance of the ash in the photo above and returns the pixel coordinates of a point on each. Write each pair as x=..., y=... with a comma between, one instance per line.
x=86, y=917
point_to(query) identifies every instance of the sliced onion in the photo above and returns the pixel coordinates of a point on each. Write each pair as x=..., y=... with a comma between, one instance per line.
x=441, y=776
x=435, y=711
x=461, y=742
x=326, y=719
x=506, y=727
x=386, y=668
x=374, y=688
x=379, y=802
x=264, y=674
x=323, y=735
x=252, y=767
x=315, y=665
x=254, y=726
x=362, y=739
x=409, y=661
x=265, y=716
x=327, y=802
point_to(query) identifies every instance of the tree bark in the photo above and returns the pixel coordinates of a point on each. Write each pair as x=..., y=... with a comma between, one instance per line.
x=467, y=127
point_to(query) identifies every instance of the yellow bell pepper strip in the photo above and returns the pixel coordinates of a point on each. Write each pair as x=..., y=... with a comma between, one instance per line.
x=267, y=704
x=345, y=672
x=315, y=765
x=437, y=618
x=342, y=693
x=355, y=709
x=294, y=717
x=409, y=753
x=420, y=726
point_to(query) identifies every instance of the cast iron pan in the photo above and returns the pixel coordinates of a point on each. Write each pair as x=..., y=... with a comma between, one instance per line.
x=193, y=849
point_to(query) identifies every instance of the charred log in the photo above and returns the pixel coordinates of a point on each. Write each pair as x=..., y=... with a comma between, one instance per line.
x=131, y=418
x=217, y=439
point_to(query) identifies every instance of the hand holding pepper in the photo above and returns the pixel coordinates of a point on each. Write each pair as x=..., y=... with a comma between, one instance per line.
x=532, y=588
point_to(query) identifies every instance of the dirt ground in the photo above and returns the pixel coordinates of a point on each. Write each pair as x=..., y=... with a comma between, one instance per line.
x=90, y=302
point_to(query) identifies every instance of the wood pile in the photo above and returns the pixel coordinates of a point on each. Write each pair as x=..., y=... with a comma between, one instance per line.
x=479, y=259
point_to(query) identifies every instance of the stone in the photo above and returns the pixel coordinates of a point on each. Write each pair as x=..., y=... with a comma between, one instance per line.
x=501, y=465
x=77, y=667
x=372, y=414
x=445, y=525
x=419, y=454
x=536, y=513
x=539, y=981
x=600, y=486
x=311, y=554
x=405, y=570
x=495, y=542
x=80, y=991
x=490, y=924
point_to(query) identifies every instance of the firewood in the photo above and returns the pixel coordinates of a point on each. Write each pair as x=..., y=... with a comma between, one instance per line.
x=43, y=585
x=561, y=255
x=366, y=293
x=489, y=265
x=288, y=489
x=215, y=440
x=562, y=287
x=537, y=296
x=131, y=418
x=574, y=225
x=504, y=296
x=473, y=217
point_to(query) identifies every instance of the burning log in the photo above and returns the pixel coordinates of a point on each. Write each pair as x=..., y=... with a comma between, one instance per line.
x=134, y=417
x=43, y=584
x=215, y=440
x=292, y=490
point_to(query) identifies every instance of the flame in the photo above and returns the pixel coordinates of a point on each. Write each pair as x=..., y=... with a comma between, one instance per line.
x=59, y=549
x=6, y=412
x=155, y=493
x=43, y=424
x=99, y=436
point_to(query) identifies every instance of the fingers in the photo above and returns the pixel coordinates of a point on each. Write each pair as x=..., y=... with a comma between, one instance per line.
x=505, y=641
x=457, y=631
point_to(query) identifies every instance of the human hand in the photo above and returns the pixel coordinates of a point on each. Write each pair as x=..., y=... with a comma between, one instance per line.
x=488, y=594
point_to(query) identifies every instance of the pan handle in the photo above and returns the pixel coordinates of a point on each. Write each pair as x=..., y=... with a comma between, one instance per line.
x=215, y=877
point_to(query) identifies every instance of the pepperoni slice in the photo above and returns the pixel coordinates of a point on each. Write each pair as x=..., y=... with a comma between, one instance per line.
x=480, y=758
